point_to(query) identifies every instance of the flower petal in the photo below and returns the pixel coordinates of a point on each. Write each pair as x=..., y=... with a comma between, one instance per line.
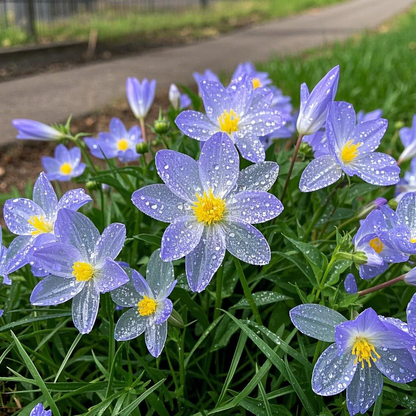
x=53, y=290
x=141, y=285
x=250, y=148
x=411, y=315
x=110, y=243
x=17, y=212
x=16, y=256
x=196, y=125
x=57, y=258
x=158, y=202
x=246, y=243
x=369, y=134
x=216, y=99
x=180, y=238
x=364, y=389
x=109, y=277
x=376, y=168
x=320, y=173
x=159, y=275
x=45, y=197
x=180, y=173
x=126, y=295
x=164, y=309
x=74, y=199
x=316, y=321
x=202, y=262
x=77, y=229
x=406, y=210
x=85, y=307
x=340, y=123
x=253, y=207
x=396, y=364
x=155, y=337
x=130, y=325
x=333, y=373
x=219, y=165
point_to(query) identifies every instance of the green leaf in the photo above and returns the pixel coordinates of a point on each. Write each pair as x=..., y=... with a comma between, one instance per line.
x=261, y=299
x=70, y=351
x=35, y=374
x=29, y=320
x=149, y=238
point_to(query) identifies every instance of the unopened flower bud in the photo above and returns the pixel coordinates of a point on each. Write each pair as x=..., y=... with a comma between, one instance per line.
x=175, y=319
x=393, y=203
x=162, y=126
x=350, y=284
x=367, y=208
x=93, y=185
x=142, y=147
x=174, y=96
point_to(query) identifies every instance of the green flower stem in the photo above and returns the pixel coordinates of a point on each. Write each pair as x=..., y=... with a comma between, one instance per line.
x=292, y=163
x=247, y=291
x=342, y=225
x=143, y=128
x=218, y=293
x=81, y=144
x=111, y=341
x=381, y=285
x=315, y=219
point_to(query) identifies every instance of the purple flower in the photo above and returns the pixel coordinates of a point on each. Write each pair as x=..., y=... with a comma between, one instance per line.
x=140, y=96
x=408, y=183
x=65, y=165
x=34, y=130
x=408, y=138
x=81, y=266
x=208, y=75
x=148, y=303
x=210, y=208
x=118, y=142
x=374, y=240
x=34, y=221
x=179, y=101
x=241, y=112
x=372, y=115
x=403, y=233
x=363, y=350
x=351, y=151
x=39, y=410
x=314, y=107
x=259, y=79
x=350, y=284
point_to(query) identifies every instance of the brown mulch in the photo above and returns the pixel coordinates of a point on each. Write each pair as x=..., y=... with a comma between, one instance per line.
x=21, y=163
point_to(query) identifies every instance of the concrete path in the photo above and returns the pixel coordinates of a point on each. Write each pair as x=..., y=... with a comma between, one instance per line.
x=51, y=97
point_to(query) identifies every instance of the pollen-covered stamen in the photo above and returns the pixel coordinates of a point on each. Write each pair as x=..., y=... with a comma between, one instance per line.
x=376, y=244
x=66, y=169
x=41, y=226
x=147, y=306
x=208, y=208
x=413, y=240
x=364, y=351
x=229, y=121
x=256, y=83
x=82, y=271
x=122, y=145
x=350, y=151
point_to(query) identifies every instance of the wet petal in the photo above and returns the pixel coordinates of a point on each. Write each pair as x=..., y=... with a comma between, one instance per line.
x=85, y=308
x=202, y=263
x=45, y=197
x=110, y=243
x=109, y=277
x=341, y=123
x=164, y=309
x=74, y=199
x=196, y=125
x=159, y=275
x=369, y=134
x=320, y=173
x=156, y=338
x=396, y=364
x=17, y=212
x=158, y=202
x=333, y=373
x=130, y=325
x=406, y=210
x=216, y=99
x=126, y=295
x=53, y=290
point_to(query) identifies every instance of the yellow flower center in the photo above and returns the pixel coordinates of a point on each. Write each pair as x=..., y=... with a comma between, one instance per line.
x=82, y=271
x=41, y=226
x=66, y=169
x=376, y=244
x=349, y=152
x=147, y=306
x=229, y=121
x=208, y=208
x=256, y=83
x=364, y=351
x=413, y=240
x=122, y=145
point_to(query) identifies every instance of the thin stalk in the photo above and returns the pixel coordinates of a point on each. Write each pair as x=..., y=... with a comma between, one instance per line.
x=292, y=163
x=381, y=285
x=247, y=291
x=143, y=128
x=111, y=340
x=218, y=293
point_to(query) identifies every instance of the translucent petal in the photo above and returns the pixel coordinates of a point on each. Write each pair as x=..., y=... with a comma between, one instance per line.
x=406, y=210
x=215, y=97
x=17, y=212
x=126, y=295
x=110, y=243
x=196, y=125
x=159, y=275
x=369, y=134
x=396, y=364
x=45, y=197
x=341, y=123
x=164, y=309
x=85, y=307
x=130, y=325
x=74, y=199
x=156, y=338
x=250, y=147
x=109, y=277
x=316, y=321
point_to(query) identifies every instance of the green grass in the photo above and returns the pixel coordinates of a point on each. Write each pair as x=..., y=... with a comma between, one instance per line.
x=221, y=16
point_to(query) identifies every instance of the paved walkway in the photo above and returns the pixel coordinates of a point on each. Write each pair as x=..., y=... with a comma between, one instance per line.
x=51, y=97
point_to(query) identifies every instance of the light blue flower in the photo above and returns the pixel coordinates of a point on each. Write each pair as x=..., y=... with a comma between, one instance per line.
x=35, y=130
x=408, y=138
x=65, y=165
x=351, y=149
x=239, y=111
x=81, y=266
x=148, y=303
x=140, y=96
x=259, y=79
x=408, y=183
x=39, y=410
x=314, y=106
x=179, y=101
x=207, y=75
x=363, y=350
x=350, y=284
x=118, y=142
